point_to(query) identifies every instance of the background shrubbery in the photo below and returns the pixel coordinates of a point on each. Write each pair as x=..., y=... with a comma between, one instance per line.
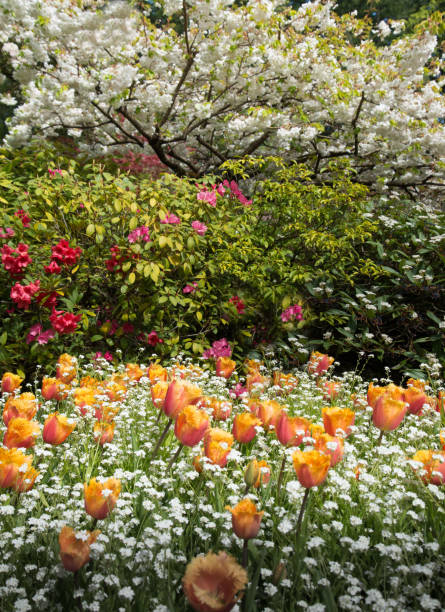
x=367, y=271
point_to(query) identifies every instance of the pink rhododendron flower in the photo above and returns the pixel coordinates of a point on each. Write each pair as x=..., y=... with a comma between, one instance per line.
x=7, y=232
x=141, y=233
x=62, y=253
x=236, y=191
x=238, y=303
x=26, y=220
x=207, y=196
x=171, y=219
x=55, y=171
x=190, y=288
x=33, y=333
x=220, y=348
x=64, y=322
x=46, y=336
x=107, y=356
x=52, y=268
x=200, y=228
x=22, y=294
x=237, y=390
x=293, y=312
x=15, y=260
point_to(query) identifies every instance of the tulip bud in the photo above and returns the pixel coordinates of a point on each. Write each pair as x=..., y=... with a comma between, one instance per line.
x=251, y=473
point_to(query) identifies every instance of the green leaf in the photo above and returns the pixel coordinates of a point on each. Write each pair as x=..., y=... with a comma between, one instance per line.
x=131, y=278
x=90, y=229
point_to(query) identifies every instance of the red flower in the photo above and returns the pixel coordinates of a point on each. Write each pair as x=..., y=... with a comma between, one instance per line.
x=15, y=260
x=22, y=294
x=53, y=268
x=153, y=339
x=65, y=254
x=64, y=322
x=47, y=299
x=26, y=221
x=238, y=303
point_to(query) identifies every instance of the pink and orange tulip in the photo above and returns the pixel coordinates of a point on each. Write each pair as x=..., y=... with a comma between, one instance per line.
x=191, y=425
x=11, y=465
x=103, y=432
x=75, y=551
x=330, y=445
x=243, y=428
x=56, y=429
x=319, y=363
x=101, y=497
x=338, y=418
x=217, y=445
x=291, y=430
x=225, y=367
x=246, y=520
x=10, y=382
x=21, y=433
x=311, y=467
x=23, y=406
x=180, y=393
x=388, y=413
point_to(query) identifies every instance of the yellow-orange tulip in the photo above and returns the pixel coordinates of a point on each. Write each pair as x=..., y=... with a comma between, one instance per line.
x=116, y=391
x=157, y=373
x=269, y=411
x=390, y=390
x=25, y=480
x=66, y=369
x=101, y=497
x=12, y=462
x=75, y=549
x=338, y=418
x=103, y=432
x=287, y=382
x=217, y=445
x=191, y=425
x=311, y=467
x=388, y=413
x=180, y=393
x=433, y=465
x=23, y=406
x=330, y=445
x=291, y=430
x=53, y=389
x=221, y=409
x=214, y=583
x=158, y=393
x=414, y=382
x=10, y=382
x=246, y=520
x=256, y=381
x=84, y=397
x=319, y=363
x=253, y=365
x=243, y=428
x=225, y=367
x=442, y=438
x=133, y=371
x=56, y=429
x=21, y=433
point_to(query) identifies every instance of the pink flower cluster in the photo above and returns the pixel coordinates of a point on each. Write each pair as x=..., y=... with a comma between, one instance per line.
x=236, y=191
x=63, y=254
x=141, y=233
x=293, y=312
x=107, y=356
x=190, y=288
x=22, y=294
x=200, y=228
x=26, y=221
x=171, y=219
x=140, y=163
x=36, y=333
x=55, y=171
x=220, y=348
x=210, y=196
x=237, y=391
x=238, y=303
x=7, y=232
x=15, y=260
x=64, y=322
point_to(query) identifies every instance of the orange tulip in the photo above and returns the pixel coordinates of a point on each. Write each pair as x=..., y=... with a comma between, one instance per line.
x=390, y=390
x=433, y=466
x=101, y=497
x=191, y=425
x=53, y=388
x=388, y=413
x=12, y=463
x=214, y=583
x=287, y=382
x=10, y=382
x=269, y=412
x=116, y=391
x=105, y=413
x=84, y=397
x=56, y=429
x=246, y=520
x=291, y=430
x=253, y=366
x=319, y=363
x=66, y=369
x=256, y=381
x=157, y=373
x=338, y=418
x=263, y=474
x=180, y=393
x=217, y=445
x=23, y=406
x=133, y=371
x=103, y=432
x=90, y=381
x=442, y=438
x=25, y=480
x=21, y=433
x=225, y=366
x=197, y=462
x=243, y=428
x=330, y=390
x=330, y=445
x=316, y=430
x=311, y=467
x=415, y=398
x=75, y=549
x=414, y=382
x=158, y=392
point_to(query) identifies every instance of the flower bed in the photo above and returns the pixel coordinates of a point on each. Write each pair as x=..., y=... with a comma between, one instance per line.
x=109, y=500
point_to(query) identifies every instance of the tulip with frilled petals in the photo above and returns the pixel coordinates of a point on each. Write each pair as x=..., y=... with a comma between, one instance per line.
x=66, y=369
x=214, y=583
x=338, y=418
x=319, y=363
x=330, y=390
x=221, y=409
x=415, y=398
x=75, y=547
x=12, y=463
x=180, y=393
x=415, y=382
x=158, y=393
x=388, y=413
x=10, y=382
x=23, y=406
x=25, y=480
x=331, y=446
x=217, y=445
x=246, y=520
x=390, y=390
x=85, y=397
x=291, y=430
x=243, y=428
x=116, y=391
x=311, y=467
x=157, y=373
x=101, y=497
x=255, y=382
x=433, y=466
x=225, y=366
x=253, y=365
x=103, y=432
x=57, y=428
x=191, y=425
x=269, y=412
x=53, y=389
x=21, y=433
x=133, y=372
x=286, y=382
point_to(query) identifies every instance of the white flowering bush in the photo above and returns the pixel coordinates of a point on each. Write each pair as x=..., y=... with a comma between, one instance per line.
x=219, y=81
x=371, y=538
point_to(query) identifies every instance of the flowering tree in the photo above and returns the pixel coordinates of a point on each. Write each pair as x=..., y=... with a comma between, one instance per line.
x=220, y=81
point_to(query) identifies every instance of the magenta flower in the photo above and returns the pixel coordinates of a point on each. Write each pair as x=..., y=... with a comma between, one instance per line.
x=141, y=233
x=293, y=312
x=190, y=288
x=7, y=232
x=200, y=228
x=171, y=219
x=237, y=390
x=153, y=339
x=33, y=333
x=207, y=196
x=220, y=348
x=46, y=336
x=55, y=171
